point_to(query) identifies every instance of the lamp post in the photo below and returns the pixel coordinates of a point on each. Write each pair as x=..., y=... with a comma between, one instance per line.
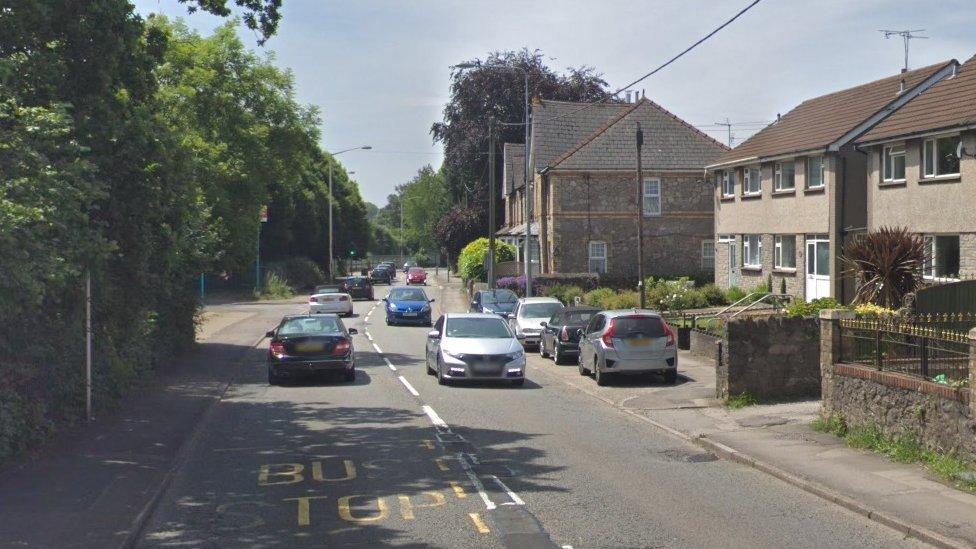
x=526, y=246
x=332, y=199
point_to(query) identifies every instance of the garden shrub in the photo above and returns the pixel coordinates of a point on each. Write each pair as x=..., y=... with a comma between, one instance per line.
x=870, y=310
x=734, y=294
x=471, y=261
x=626, y=299
x=597, y=297
x=811, y=308
x=713, y=295
x=586, y=281
x=301, y=272
x=564, y=293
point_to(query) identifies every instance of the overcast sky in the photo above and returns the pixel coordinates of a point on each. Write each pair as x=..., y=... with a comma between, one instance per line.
x=378, y=69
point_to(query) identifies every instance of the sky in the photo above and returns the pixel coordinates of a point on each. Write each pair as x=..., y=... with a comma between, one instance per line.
x=379, y=69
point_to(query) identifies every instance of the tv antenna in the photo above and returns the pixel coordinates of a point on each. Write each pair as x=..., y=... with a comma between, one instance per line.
x=906, y=37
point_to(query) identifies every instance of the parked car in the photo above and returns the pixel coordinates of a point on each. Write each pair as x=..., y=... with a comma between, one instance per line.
x=408, y=265
x=529, y=314
x=417, y=275
x=329, y=289
x=359, y=286
x=628, y=342
x=474, y=346
x=329, y=301
x=303, y=345
x=500, y=302
x=561, y=333
x=381, y=273
x=407, y=306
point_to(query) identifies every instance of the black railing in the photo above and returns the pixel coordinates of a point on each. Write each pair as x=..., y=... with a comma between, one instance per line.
x=914, y=349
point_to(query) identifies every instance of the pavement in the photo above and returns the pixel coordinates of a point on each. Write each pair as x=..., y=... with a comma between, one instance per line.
x=214, y=457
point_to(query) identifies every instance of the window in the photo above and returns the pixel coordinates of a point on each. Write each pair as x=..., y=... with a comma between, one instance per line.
x=815, y=172
x=727, y=180
x=708, y=255
x=893, y=163
x=784, y=176
x=784, y=252
x=598, y=257
x=943, y=256
x=939, y=156
x=751, y=250
x=751, y=180
x=652, y=197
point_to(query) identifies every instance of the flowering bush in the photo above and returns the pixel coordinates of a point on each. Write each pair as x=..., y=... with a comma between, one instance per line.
x=870, y=310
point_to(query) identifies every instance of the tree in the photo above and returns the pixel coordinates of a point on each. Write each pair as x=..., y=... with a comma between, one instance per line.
x=888, y=264
x=262, y=16
x=460, y=226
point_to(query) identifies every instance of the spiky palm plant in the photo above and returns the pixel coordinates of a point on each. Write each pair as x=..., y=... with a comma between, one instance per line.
x=888, y=263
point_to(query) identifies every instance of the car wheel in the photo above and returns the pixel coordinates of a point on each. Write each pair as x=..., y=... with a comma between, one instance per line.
x=349, y=375
x=671, y=377
x=598, y=375
x=542, y=348
x=518, y=382
x=579, y=363
x=272, y=379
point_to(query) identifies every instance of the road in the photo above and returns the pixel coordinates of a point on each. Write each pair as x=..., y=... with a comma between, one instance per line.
x=395, y=459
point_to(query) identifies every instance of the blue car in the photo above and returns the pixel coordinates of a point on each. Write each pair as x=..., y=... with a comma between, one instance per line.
x=407, y=306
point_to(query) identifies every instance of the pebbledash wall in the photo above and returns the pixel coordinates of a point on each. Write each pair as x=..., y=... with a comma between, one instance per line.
x=941, y=417
x=580, y=207
x=770, y=357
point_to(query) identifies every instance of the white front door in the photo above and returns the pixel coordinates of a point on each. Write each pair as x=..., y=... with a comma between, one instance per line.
x=818, y=267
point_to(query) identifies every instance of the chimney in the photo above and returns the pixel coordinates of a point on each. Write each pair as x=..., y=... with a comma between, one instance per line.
x=778, y=117
x=901, y=86
x=628, y=95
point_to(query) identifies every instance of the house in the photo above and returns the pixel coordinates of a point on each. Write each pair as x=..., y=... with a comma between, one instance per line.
x=921, y=166
x=787, y=198
x=584, y=190
x=513, y=191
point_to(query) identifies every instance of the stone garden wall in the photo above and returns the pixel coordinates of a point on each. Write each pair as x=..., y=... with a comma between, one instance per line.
x=706, y=346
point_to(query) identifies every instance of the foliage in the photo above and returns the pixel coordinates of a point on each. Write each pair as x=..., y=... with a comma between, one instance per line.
x=734, y=294
x=870, y=310
x=835, y=425
x=673, y=295
x=626, y=299
x=459, y=226
x=587, y=281
x=888, y=264
x=300, y=272
x=598, y=297
x=811, y=308
x=713, y=295
x=262, y=16
x=275, y=287
x=565, y=293
x=782, y=285
x=741, y=400
x=471, y=261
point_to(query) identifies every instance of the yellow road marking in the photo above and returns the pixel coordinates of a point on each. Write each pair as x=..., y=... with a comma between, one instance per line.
x=346, y=514
x=294, y=473
x=479, y=524
x=303, y=518
x=441, y=465
x=350, y=472
x=458, y=490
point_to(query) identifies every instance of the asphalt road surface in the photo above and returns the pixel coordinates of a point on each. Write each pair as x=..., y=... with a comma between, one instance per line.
x=396, y=459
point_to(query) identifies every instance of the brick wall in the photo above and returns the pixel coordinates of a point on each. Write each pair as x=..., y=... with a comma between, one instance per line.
x=707, y=346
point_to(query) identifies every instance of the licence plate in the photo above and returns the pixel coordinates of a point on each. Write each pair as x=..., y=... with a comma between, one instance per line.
x=309, y=347
x=640, y=341
x=410, y=314
x=485, y=367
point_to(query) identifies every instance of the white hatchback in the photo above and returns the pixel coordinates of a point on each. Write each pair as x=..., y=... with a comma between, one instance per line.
x=331, y=302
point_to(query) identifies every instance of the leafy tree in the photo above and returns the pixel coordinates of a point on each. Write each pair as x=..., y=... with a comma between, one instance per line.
x=262, y=16
x=460, y=226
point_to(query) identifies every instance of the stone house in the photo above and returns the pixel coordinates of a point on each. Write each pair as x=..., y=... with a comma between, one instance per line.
x=513, y=230
x=584, y=192
x=786, y=199
x=921, y=164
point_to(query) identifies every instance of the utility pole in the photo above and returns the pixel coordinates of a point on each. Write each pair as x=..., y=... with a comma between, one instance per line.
x=906, y=36
x=401, y=228
x=491, y=202
x=331, y=200
x=88, y=347
x=640, y=219
x=527, y=249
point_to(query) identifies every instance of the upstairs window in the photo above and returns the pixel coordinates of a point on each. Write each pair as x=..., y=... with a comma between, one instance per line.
x=893, y=163
x=939, y=156
x=815, y=172
x=652, y=197
x=784, y=176
x=727, y=180
x=751, y=180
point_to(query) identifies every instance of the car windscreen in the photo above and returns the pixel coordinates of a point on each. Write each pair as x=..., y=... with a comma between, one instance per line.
x=499, y=296
x=578, y=318
x=492, y=328
x=408, y=294
x=638, y=326
x=309, y=326
x=539, y=310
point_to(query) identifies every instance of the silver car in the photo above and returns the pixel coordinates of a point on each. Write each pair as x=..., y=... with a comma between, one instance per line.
x=476, y=346
x=632, y=341
x=530, y=312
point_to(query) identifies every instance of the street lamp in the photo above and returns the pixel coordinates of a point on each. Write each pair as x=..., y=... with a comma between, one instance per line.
x=526, y=248
x=331, y=200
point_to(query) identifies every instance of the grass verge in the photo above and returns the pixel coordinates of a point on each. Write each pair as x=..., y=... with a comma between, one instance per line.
x=275, y=287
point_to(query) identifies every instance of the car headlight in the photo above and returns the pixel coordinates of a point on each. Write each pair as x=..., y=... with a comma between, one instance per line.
x=391, y=307
x=426, y=309
x=454, y=355
x=517, y=355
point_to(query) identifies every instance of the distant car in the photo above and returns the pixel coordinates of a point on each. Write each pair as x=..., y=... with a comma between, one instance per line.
x=499, y=302
x=408, y=265
x=329, y=301
x=303, y=345
x=391, y=266
x=474, y=346
x=407, y=306
x=632, y=342
x=359, y=286
x=381, y=273
x=561, y=333
x=417, y=275
x=530, y=312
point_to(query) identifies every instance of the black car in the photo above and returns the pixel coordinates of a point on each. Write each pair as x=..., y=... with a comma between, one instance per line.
x=359, y=287
x=561, y=333
x=499, y=302
x=306, y=345
x=381, y=274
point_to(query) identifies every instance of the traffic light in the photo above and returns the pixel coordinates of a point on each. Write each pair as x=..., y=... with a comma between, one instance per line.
x=352, y=253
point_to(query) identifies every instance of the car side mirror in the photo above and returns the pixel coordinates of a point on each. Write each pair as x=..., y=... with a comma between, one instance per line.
x=509, y=315
x=353, y=331
x=431, y=300
x=520, y=337
x=385, y=299
x=269, y=333
x=543, y=324
x=433, y=334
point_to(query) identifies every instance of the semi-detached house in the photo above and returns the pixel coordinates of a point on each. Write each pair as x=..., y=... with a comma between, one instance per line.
x=787, y=198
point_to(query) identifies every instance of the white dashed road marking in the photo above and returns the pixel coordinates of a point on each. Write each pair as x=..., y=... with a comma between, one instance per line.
x=409, y=387
x=434, y=418
x=490, y=505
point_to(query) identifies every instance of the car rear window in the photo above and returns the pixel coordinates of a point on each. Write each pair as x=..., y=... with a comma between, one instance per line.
x=578, y=318
x=499, y=296
x=540, y=310
x=638, y=326
x=309, y=326
x=415, y=270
